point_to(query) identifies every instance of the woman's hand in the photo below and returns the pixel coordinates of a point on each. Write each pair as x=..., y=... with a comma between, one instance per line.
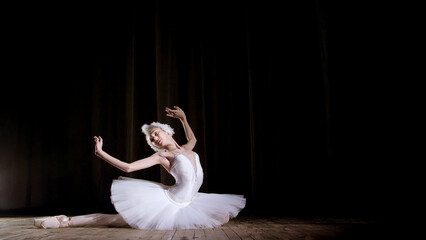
x=180, y=114
x=99, y=142
x=176, y=113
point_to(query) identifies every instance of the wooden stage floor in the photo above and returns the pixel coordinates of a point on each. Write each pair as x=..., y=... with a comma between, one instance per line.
x=242, y=227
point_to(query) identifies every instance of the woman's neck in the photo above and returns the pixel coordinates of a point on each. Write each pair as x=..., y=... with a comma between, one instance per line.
x=173, y=147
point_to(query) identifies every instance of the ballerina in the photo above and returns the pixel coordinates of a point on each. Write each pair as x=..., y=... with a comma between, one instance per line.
x=149, y=205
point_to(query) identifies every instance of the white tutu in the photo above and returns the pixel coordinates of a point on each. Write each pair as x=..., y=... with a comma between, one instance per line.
x=150, y=205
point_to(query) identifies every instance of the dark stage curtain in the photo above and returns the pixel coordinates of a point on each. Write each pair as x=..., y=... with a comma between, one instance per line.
x=261, y=83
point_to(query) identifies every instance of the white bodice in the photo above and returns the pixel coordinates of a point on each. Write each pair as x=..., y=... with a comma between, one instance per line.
x=188, y=179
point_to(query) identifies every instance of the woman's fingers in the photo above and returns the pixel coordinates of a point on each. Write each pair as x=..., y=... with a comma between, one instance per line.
x=176, y=109
x=176, y=112
x=97, y=139
x=169, y=110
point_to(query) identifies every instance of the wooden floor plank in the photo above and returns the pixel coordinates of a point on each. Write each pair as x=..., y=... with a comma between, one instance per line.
x=199, y=234
x=241, y=231
x=230, y=233
x=242, y=228
x=184, y=234
x=220, y=234
x=208, y=232
x=168, y=235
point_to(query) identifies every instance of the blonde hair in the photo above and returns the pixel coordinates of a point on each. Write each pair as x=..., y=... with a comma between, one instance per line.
x=146, y=129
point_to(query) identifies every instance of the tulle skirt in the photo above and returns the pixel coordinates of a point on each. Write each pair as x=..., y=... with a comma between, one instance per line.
x=146, y=205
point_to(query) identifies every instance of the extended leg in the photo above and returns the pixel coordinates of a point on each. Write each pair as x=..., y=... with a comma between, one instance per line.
x=97, y=220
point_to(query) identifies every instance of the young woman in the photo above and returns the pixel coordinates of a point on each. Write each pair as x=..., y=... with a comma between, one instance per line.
x=149, y=205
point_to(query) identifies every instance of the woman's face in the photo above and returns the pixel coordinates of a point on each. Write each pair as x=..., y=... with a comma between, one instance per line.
x=159, y=137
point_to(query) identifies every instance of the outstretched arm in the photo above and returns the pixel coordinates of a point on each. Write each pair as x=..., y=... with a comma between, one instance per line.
x=177, y=112
x=128, y=167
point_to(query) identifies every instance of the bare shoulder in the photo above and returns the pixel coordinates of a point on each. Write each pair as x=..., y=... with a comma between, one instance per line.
x=166, y=157
x=189, y=146
x=189, y=153
x=165, y=154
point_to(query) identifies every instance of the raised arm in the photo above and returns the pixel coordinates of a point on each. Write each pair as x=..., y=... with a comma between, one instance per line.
x=177, y=112
x=129, y=167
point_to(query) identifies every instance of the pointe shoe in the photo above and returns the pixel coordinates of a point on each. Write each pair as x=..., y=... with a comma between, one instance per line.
x=59, y=221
